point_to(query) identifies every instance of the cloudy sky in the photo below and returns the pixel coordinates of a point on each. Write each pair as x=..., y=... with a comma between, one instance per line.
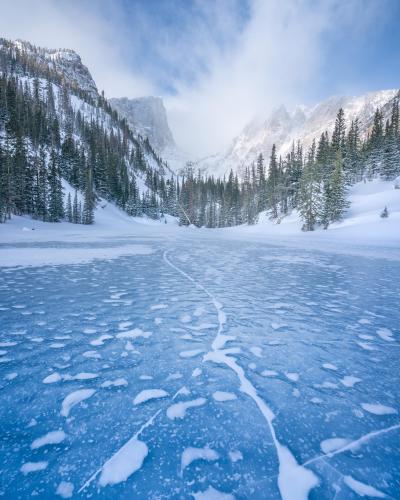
x=218, y=63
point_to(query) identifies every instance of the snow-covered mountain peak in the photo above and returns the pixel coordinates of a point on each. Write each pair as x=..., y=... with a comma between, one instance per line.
x=65, y=61
x=303, y=123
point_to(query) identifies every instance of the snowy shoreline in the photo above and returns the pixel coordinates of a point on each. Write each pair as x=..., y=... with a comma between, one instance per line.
x=363, y=232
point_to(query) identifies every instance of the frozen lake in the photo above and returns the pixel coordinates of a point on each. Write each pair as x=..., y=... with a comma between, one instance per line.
x=216, y=369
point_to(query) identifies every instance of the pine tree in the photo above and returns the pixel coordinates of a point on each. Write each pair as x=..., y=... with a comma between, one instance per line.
x=352, y=164
x=55, y=207
x=391, y=151
x=336, y=203
x=68, y=209
x=339, y=134
x=76, y=218
x=80, y=213
x=262, y=184
x=41, y=188
x=310, y=194
x=88, y=205
x=272, y=184
x=375, y=146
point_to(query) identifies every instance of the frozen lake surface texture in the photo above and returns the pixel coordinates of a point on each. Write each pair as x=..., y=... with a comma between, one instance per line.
x=207, y=370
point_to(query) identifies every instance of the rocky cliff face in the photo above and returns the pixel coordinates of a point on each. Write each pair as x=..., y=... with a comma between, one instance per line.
x=66, y=62
x=146, y=116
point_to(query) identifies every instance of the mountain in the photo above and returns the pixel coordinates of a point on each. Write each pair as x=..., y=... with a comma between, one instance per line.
x=56, y=127
x=65, y=62
x=147, y=117
x=303, y=124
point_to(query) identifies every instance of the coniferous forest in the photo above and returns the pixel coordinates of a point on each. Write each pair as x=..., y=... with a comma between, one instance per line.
x=45, y=137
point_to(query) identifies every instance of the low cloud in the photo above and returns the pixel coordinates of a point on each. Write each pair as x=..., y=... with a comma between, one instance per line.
x=217, y=64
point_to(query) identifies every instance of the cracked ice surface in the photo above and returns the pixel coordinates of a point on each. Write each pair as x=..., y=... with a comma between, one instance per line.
x=220, y=370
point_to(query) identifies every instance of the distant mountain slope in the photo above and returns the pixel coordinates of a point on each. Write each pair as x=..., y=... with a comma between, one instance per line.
x=147, y=116
x=303, y=124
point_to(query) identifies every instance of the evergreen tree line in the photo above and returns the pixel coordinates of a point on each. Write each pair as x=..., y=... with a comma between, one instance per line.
x=315, y=183
x=43, y=139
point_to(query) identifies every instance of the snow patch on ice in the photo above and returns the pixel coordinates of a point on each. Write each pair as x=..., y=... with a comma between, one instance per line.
x=119, y=382
x=191, y=354
x=65, y=489
x=362, y=489
x=224, y=396
x=385, y=334
x=294, y=377
x=378, y=409
x=33, y=467
x=149, y=394
x=192, y=454
x=124, y=463
x=52, y=378
x=100, y=340
x=133, y=334
x=235, y=455
x=53, y=437
x=212, y=494
x=350, y=381
x=333, y=444
x=24, y=257
x=257, y=351
x=75, y=398
x=178, y=410
x=329, y=366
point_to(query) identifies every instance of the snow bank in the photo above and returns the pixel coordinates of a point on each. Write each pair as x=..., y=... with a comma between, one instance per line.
x=362, y=231
x=43, y=256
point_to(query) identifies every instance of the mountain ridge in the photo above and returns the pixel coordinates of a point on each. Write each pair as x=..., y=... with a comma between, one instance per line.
x=303, y=123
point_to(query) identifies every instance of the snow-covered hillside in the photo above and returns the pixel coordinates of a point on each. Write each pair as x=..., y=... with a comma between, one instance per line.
x=302, y=124
x=362, y=223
